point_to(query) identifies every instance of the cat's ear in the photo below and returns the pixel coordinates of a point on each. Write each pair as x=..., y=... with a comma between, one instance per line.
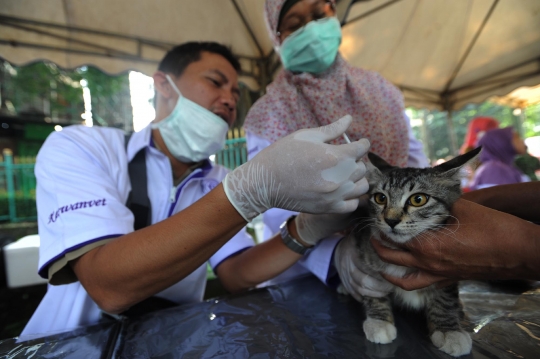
x=378, y=162
x=373, y=174
x=453, y=167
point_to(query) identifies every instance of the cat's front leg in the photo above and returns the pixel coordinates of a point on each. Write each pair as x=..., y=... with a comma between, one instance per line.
x=443, y=312
x=379, y=324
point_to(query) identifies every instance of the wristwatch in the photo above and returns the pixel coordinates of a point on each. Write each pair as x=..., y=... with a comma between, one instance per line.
x=289, y=241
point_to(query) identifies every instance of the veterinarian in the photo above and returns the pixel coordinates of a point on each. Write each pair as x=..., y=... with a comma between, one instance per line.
x=315, y=87
x=494, y=239
x=114, y=237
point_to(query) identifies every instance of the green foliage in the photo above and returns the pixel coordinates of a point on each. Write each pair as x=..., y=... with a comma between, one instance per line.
x=531, y=124
x=44, y=88
x=25, y=207
x=436, y=138
x=102, y=85
x=41, y=81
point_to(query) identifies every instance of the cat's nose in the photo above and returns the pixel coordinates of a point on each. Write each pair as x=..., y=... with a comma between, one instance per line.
x=392, y=222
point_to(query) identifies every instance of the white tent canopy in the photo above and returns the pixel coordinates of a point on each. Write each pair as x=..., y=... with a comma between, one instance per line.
x=442, y=54
x=520, y=98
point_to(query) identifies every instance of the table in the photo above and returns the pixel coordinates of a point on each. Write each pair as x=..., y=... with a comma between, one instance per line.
x=298, y=319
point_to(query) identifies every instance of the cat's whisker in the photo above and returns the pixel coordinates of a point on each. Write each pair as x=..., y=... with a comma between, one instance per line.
x=430, y=237
x=371, y=225
x=449, y=233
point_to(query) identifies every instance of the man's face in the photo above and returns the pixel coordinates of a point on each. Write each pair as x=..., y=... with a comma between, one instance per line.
x=518, y=144
x=212, y=83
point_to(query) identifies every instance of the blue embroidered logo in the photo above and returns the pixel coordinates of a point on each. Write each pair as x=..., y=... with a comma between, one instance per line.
x=75, y=206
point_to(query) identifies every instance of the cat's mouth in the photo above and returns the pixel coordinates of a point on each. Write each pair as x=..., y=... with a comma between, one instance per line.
x=396, y=235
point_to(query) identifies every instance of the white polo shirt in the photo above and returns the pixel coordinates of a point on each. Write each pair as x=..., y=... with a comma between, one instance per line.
x=82, y=187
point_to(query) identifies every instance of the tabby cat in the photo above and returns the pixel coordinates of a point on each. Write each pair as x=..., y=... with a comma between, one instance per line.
x=404, y=203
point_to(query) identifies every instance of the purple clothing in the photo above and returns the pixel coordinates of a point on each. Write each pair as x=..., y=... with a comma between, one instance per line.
x=497, y=159
x=494, y=173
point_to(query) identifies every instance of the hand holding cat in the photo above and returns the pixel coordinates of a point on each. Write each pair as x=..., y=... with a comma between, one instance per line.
x=313, y=227
x=302, y=173
x=352, y=273
x=479, y=243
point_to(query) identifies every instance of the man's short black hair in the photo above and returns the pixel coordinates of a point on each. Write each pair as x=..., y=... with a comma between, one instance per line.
x=179, y=57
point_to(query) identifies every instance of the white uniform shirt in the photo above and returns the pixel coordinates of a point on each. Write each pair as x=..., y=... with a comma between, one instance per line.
x=319, y=260
x=82, y=187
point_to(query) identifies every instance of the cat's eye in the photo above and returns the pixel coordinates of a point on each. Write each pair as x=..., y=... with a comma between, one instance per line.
x=418, y=199
x=380, y=198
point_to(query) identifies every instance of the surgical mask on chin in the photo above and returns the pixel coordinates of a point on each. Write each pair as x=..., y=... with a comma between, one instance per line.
x=191, y=132
x=312, y=48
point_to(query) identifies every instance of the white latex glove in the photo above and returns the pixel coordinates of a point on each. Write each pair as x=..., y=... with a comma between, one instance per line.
x=301, y=173
x=313, y=227
x=354, y=280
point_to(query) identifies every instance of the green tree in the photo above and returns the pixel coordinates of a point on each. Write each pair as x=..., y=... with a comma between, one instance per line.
x=43, y=88
x=436, y=138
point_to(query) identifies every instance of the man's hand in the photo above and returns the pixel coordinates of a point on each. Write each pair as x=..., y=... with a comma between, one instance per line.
x=353, y=275
x=303, y=173
x=314, y=227
x=477, y=243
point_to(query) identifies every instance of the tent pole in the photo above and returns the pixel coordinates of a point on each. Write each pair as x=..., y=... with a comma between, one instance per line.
x=471, y=45
x=248, y=28
x=425, y=135
x=263, y=74
x=342, y=10
x=448, y=107
x=3, y=105
x=370, y=12
x=521, y=120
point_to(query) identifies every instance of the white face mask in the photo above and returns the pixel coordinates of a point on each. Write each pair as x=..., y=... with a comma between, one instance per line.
x=191, y=132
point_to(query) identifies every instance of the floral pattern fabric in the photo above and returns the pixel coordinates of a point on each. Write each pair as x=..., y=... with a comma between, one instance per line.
x=305, y=100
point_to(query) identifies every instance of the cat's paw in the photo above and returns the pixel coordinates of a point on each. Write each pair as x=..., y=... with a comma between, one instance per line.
x=342, y=290
x=379, y=331
x=455, y=343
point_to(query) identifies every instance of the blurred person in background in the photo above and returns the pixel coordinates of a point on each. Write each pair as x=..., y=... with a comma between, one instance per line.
x=477, y=128
x=499, y=149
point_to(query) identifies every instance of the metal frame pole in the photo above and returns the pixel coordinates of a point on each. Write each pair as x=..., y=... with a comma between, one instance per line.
x=8, y=161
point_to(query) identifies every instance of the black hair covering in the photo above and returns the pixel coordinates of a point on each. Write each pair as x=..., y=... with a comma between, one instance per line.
x=288, y=4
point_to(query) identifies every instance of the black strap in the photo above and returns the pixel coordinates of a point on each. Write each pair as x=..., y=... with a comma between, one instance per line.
x=139, y=204
x=138, y=201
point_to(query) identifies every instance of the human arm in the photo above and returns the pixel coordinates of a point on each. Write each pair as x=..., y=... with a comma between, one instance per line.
x=259, y=263
x=478, y=243
x=520, y=199
x=272, y=257
x=140, y=264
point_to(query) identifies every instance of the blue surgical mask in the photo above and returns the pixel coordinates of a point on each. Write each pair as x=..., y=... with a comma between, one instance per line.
x=312, y=48
x=191, y=132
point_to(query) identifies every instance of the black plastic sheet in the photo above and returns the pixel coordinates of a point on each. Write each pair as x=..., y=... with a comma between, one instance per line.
x=91, y=342
x=300, y=319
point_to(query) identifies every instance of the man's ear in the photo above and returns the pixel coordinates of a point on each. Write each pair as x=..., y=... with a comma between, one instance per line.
x=162, y=86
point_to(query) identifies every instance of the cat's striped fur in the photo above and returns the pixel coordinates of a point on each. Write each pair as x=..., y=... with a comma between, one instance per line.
x=398, y=217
